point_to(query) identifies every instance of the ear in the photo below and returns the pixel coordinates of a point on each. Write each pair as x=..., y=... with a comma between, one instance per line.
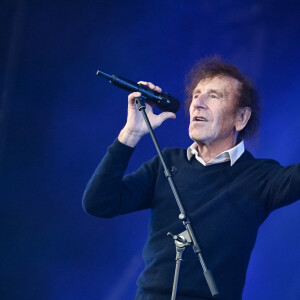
x=243, y=116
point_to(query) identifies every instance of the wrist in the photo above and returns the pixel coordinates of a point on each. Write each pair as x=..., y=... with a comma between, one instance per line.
x=129, y=138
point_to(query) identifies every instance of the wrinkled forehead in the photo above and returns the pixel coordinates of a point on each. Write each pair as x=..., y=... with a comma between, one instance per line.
x=228, y=85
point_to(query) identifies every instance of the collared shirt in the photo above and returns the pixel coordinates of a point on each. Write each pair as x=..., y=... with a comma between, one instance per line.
x=231, y=155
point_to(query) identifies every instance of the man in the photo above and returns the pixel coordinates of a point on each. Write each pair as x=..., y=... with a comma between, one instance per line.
x=226, y=191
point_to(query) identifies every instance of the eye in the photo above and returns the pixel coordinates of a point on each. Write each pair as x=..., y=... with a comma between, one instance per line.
x=195, y=96
x=214, y=96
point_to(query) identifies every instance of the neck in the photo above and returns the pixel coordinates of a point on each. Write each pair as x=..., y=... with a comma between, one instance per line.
x=208, y=151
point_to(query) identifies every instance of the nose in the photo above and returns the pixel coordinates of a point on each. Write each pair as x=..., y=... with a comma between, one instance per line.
x=200, y=102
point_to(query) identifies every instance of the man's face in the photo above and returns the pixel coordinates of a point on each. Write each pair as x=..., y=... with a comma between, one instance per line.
x=213, y=111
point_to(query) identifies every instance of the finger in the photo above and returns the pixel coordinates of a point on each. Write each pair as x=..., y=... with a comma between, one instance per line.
x=158, y=89
x=166, y=115
x=132, y=96
x=143, y=82
x=151, y=86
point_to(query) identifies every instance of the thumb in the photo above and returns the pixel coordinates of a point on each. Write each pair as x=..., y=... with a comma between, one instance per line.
x=167, y=115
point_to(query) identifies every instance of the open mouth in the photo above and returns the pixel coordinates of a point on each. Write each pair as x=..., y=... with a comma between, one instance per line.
x=200, y=119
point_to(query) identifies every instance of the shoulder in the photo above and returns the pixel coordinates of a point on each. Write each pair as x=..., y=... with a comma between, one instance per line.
x=262, y=163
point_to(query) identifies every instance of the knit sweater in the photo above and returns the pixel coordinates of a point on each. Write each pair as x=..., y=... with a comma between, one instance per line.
x=226, y=205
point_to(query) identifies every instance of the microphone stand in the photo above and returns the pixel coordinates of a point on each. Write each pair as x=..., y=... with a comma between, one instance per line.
x=187, y=237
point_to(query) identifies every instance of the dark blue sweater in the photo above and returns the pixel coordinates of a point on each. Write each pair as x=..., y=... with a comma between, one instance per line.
x=226, y=204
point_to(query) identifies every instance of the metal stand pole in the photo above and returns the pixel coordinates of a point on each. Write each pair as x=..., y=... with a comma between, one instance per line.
x=181, y=241
x=182, y=216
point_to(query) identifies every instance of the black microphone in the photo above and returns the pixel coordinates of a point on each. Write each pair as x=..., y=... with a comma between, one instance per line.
x=163, y=101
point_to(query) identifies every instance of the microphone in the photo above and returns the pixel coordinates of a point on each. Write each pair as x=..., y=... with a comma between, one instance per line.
x=163, y=101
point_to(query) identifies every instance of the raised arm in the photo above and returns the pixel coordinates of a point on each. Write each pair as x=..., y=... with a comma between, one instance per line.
x=109, y=193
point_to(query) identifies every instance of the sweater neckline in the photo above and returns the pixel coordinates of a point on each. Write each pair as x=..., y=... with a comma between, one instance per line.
x=246, y=156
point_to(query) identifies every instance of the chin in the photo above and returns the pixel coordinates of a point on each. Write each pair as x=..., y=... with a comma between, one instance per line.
x=198, y=138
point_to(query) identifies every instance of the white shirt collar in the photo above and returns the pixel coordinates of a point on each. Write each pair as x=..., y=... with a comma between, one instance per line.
x=231, y=155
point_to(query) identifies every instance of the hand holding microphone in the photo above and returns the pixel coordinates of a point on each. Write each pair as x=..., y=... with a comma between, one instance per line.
x=163, y=101
x=135, y=126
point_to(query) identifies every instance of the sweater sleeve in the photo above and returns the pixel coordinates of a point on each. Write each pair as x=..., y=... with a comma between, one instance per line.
x=110, y=193
x=283, y=186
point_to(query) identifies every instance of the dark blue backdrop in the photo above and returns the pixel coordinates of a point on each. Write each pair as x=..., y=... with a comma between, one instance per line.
x=57, y=119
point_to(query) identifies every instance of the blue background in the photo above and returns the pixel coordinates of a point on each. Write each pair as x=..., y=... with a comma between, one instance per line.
x=58, y=118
